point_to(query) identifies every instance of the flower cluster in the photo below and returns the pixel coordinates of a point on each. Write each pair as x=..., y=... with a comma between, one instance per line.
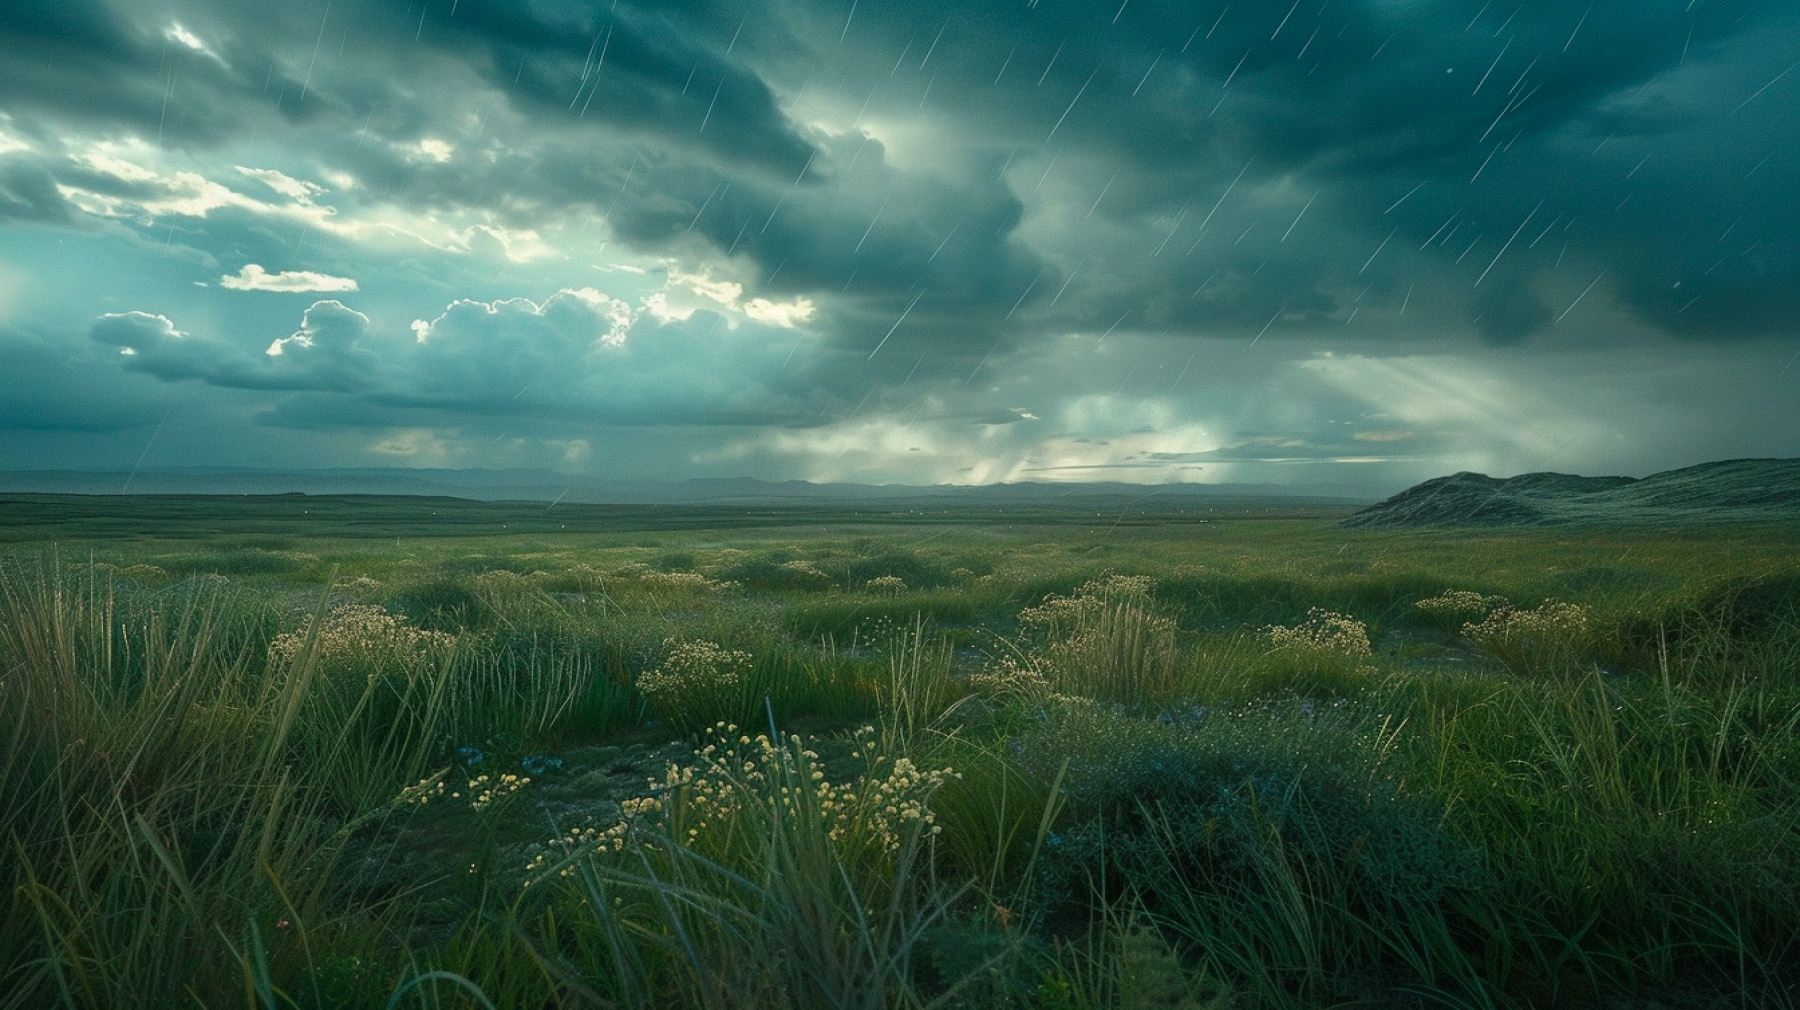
x=739, y=774
x=578, y=841
x=1533, y=641
x=683, y=582
x=1460, y=601
x=1113, y=586
x=361, y=631
x=1323, y=631
x=696, y=664
x=1555, y=618
x=886, y=585
x=1010, y=675
x=696, y=679
x=481, y=792
x=742, y=787
x=1103, y=641
x=1452, y=608
x=1063, y=614
x=360, y=584
x=485, y=791
x=143, y=573
x=804, y=571
x=1060, y=614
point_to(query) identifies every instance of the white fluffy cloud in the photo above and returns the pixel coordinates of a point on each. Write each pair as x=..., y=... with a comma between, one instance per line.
x=254, y=278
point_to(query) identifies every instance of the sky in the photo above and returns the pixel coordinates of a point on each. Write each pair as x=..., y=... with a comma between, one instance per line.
x=1327, y=243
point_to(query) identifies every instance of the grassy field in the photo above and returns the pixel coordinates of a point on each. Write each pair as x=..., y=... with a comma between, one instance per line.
x=309, y=752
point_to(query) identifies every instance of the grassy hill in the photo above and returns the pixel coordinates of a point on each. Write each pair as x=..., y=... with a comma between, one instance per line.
x=1729, y=491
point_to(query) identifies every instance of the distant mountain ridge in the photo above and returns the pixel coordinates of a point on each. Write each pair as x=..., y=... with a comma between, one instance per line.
x=549, y=485
x=1729, y=491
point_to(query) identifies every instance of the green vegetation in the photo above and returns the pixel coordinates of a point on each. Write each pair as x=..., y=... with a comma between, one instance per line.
x=698, y=759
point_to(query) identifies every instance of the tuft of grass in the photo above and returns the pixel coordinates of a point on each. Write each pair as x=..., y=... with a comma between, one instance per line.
x=1553, y=638
x=147, y=798
x=755, y=881
x=1105, y=641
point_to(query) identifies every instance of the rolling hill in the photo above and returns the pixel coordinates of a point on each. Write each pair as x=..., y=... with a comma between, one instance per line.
x=1733, y=491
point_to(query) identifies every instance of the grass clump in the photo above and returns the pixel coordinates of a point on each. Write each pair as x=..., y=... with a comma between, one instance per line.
x=773, y=572
x=1548, y=639
x=696, y=681
x=1452, y=609
x=758, y=881
x=1327, y=652
x=147, y=801
x=1104, y=641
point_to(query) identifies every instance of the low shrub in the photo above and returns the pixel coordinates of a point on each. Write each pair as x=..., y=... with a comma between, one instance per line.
x=847, y=616
x=912, y=568
x=1103, y=641
x=755, y=873
x=1451, y=609
x=697, y=683
x=1552, y=638
x=1328, y=652
x=773, y=573
x=1272, y=838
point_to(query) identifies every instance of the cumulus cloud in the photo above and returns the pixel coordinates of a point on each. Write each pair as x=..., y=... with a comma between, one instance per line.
x=253, y=277
x=150, y=343
x=584, y=354
x=328, y=353
x=786, y=315
x=331, y=351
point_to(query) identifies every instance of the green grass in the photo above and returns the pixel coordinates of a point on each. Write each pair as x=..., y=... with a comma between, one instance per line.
x=262, y=759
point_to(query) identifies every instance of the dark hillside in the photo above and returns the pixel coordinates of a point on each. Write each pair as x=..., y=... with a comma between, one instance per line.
x=1734, y=491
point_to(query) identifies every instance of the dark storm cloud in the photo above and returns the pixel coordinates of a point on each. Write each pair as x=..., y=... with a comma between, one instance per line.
x=576, y=81
x=665, y=120
x=941, y=203
x=116, y=67
x=28, y=193
x=1381, y=86
x=68, y=388
x=649, y=68
x=870, y=236
x=635, y=114
x=1507, y=310
x=125, y=65
x=1399, y=116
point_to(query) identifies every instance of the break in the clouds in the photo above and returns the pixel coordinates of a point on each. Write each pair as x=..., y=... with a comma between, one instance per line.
x=1334, y=242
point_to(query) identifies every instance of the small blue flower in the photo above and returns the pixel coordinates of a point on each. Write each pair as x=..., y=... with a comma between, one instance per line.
x=469, y=754
x=538, y=764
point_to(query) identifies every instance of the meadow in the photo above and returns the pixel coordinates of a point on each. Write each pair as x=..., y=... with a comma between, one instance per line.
x=353, y=753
